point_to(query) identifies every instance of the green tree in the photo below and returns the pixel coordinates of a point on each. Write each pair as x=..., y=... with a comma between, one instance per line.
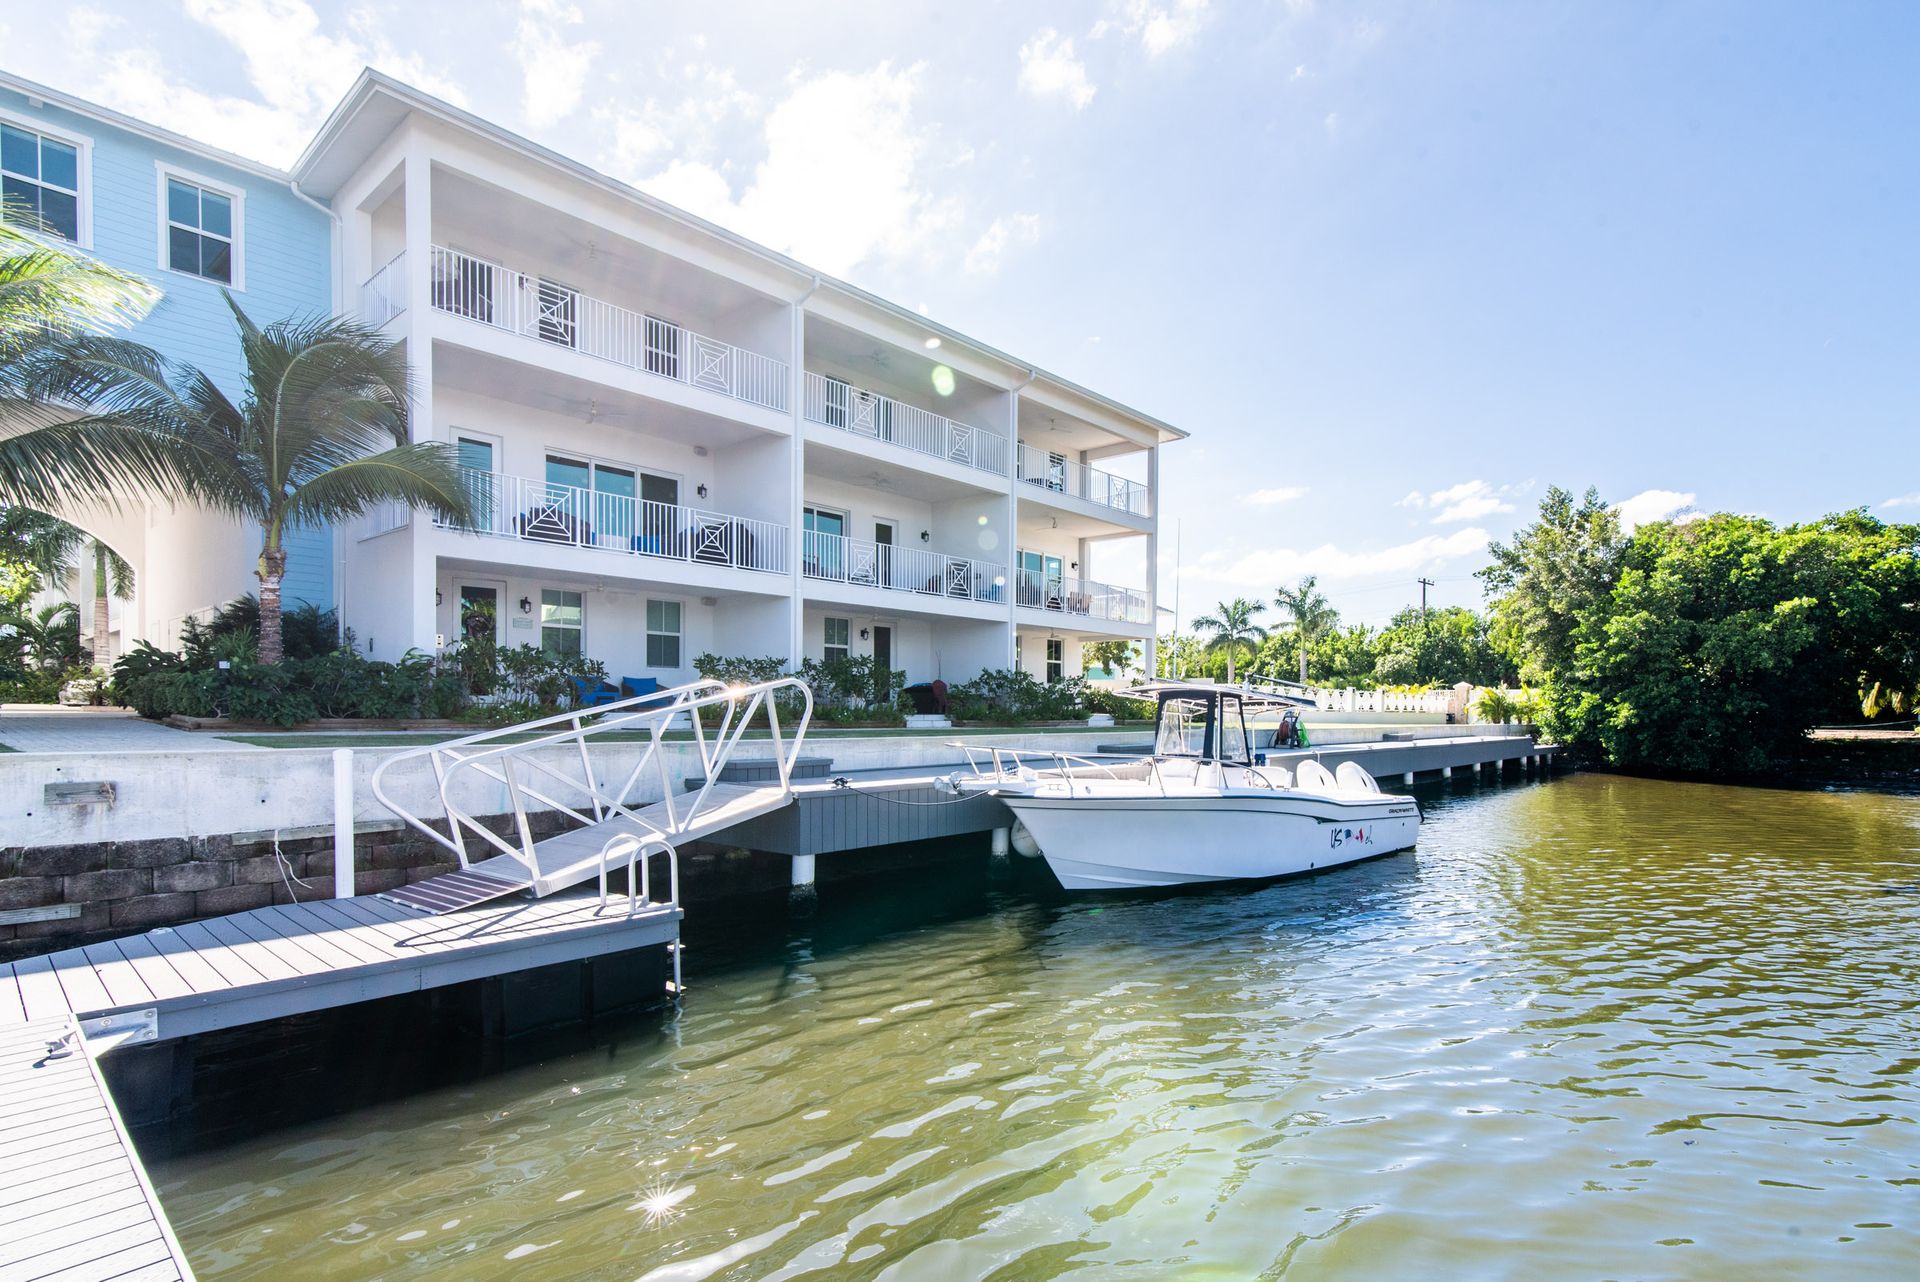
x=1178, y=656
x=1115, y=656
x=1310, y=616
x=1232, y=626
x=1726, y=638
x=320, y=434
x=47, y=638
x=1443, y=646
x=1551, y=575
x=1344, y=657
x=53, y=547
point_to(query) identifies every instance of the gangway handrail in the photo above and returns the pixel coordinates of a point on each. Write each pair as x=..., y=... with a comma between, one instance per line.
x=493, y=754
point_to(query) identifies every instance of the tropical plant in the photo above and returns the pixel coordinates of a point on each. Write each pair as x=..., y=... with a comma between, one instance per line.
x=53, y=547
x=320, y=434
x=1310, y=615
x=1552, y=573
x=50, y=293
x=47, y=639
x=1232, y=626
x=1439, y=647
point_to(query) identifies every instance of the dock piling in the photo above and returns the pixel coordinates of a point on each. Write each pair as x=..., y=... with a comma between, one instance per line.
x=343, y=823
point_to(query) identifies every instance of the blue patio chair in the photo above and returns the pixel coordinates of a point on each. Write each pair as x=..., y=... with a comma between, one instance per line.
x=592, y=694
x=634, y=687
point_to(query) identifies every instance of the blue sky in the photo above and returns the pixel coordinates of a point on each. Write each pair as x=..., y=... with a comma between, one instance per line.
x=1396, y=267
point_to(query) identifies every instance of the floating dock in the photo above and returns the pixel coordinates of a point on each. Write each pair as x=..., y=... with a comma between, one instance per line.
x=75, y=1203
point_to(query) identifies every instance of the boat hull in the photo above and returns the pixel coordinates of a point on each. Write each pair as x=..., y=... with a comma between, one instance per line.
x=1122, y=843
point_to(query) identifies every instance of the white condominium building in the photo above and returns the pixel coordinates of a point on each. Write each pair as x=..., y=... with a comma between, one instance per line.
x=680, y=442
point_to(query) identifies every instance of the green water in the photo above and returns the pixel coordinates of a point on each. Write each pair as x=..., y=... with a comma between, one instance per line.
x=1594, y=1028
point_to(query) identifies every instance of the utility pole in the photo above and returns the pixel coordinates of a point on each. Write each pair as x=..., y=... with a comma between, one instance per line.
x=1424, y=585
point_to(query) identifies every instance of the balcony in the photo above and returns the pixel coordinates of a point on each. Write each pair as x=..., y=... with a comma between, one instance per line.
x=519, y=507
x=832, y=402
x=836, y=558
x=463, y=285
x=1083, y=598
x=383, y=295
x=1060, y=475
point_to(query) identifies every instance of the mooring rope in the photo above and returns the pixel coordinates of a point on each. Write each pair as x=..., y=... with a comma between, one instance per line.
x=845, y=784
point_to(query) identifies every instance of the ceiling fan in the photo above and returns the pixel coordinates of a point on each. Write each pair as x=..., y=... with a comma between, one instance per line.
x=589, y=408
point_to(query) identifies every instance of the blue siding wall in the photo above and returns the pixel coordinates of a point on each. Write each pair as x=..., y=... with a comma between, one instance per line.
x=287, y=247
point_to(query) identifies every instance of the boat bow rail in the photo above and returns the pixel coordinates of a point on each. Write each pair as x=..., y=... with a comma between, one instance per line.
x=565, y=765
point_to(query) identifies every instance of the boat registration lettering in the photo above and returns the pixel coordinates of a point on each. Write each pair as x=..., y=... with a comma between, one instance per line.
x=1341, y=836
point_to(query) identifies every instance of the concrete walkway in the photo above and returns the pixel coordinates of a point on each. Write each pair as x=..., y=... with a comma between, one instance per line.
x=38, y=727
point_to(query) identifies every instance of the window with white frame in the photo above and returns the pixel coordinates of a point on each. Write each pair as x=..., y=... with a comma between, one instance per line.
x=562, y=621
x=836, y=645
x=40, y=181
x=201, y=228
x=1056, y=660
x=663, y=634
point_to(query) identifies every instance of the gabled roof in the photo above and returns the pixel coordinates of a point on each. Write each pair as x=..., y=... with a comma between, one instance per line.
x=153, y=132
x=377, y=105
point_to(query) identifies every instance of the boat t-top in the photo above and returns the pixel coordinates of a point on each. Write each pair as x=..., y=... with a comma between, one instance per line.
x=1207, y=805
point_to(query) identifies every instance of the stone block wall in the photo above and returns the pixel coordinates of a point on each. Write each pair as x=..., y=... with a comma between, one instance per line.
x=125, y=887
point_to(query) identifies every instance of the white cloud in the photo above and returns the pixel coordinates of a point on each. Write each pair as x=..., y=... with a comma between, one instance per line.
x=1905, y=500
x=710, y=100
x=1048, y=68
x=1161, y=28
x=1652, y=505
x=1257, y=572
x=1274, y=495
x=1467, y=501
x=297, y=72
x=553, y=69
x=984, y=257
x=801, y=198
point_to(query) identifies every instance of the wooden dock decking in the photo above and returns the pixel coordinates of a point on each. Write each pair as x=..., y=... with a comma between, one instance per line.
x=295, y=958
x=75, y=1204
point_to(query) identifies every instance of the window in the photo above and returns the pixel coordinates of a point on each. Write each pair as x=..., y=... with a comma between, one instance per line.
x=823, y=543
x=837, y=646
x=40, y=181
x=476, y=474
x=561, y=618
x=202, y=230
x=1056, y=661
x=663, y=634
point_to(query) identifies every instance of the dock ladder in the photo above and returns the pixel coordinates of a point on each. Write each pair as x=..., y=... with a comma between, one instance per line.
x=573, y=765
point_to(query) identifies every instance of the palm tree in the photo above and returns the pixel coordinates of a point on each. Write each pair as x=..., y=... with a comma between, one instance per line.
x=1232, y=625
x=51, y=453
x=1313, y=616
x=49, y=637
x=53, y=547
x=319, y=436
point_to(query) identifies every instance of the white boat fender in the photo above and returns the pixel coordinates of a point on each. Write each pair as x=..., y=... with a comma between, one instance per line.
x=1023, y=841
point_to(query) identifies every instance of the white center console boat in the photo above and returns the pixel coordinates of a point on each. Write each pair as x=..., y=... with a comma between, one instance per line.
x=1205, y=806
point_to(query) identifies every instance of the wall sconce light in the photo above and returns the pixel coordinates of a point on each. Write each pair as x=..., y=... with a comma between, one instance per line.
x=1076, y=565
x=863, y=634
x=439, y=597
x=526, y=605
x=925, y=536
x=701, y=490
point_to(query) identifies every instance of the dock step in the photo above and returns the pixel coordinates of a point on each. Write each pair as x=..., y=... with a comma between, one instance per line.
x=452, y=891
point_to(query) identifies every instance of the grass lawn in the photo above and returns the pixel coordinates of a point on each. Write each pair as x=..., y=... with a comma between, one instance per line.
x=421, y=738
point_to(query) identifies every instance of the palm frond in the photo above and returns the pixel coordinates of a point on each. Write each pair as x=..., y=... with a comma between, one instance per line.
x=46, y=287
x=424, y=474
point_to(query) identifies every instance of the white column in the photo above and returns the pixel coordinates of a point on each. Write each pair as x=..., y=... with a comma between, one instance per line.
x=796, y=620
x=343, y=823
x=421, y=613
x=1012, y=558
x=1153, y=560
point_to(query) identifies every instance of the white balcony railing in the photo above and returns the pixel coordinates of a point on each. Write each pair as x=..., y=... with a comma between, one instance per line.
x=862, y=562
x=1084, y=597
x=383, y=295
x=519, y=507
x=554, y=313
x=836, y=403
x=1061, y=475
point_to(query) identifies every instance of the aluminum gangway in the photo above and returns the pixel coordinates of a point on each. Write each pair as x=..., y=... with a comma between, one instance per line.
x=566, y=765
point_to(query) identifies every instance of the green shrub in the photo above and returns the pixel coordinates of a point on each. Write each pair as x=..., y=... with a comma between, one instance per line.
x=1009, y=695
x=739, y=670
x=1117, y=706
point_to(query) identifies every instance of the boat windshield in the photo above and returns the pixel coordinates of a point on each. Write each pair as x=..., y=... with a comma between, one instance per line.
x=1233, y=732
x=1183, y=727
